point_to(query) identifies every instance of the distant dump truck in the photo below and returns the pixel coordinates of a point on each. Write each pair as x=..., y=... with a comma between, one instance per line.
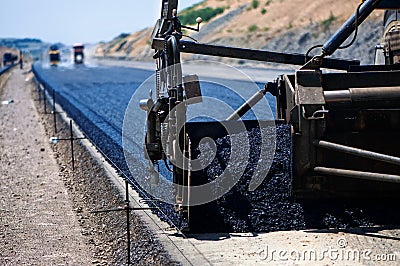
x=78, y=53
x=9, y=58
x=54, y=54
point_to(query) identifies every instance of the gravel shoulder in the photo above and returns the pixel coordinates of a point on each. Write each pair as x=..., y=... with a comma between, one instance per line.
x=38, y=225
x=46, y=208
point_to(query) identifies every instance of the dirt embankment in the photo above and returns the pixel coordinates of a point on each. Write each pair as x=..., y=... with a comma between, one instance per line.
x=275, y=25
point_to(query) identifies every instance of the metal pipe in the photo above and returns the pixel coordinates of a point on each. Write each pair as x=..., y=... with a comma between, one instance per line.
x=375, y=94
x=54, y=112
x=21, y=61
x=128, y=230
x=372, y=96
x=39, y=94
x=247, y=106
x=45, y=100
x=340, y=96
x=348, y=27
x=358, y=152
x=358, y=174
x=72, y=145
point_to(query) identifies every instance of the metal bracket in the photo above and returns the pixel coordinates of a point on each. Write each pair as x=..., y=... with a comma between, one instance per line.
x=317, y=115
x=314, y=63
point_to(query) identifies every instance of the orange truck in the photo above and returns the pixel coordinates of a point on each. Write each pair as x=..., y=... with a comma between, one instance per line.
x=78, y=53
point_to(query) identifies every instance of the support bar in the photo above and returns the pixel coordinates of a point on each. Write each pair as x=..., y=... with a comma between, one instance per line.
x=251, y=54
x=250, y=103
x=358, y=152
x=260, y=55
x=358, y=174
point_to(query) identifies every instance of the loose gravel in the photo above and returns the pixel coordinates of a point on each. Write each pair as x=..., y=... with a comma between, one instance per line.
x=46, y=208
x=37, y=223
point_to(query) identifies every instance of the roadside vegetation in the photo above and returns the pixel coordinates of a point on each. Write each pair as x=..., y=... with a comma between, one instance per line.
x=255, y=4
x=119, y=40
x=188, y=16
x=253, y=28
x=326, y=24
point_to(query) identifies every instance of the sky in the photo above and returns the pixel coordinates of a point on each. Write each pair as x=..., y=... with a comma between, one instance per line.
x=74, y=21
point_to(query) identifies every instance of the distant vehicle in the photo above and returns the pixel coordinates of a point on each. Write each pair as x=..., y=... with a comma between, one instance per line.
x=78, y=53
x=9, y=58
x=54, y=54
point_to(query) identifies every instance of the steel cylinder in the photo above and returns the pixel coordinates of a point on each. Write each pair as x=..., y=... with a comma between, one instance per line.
x=367, y=96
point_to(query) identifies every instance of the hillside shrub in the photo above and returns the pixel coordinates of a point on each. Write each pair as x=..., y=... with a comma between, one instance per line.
x=188, y=17
x=326, y=24
x=255, y=4
x=253, y=28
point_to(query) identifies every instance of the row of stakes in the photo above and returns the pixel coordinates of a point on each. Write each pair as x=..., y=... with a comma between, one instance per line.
x=54, y=140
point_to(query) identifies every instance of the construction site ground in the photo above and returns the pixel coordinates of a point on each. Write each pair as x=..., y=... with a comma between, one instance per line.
x=38, y=223
x=46, y=219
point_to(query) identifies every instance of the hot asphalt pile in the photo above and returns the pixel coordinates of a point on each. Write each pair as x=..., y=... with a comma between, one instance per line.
x=271, y=206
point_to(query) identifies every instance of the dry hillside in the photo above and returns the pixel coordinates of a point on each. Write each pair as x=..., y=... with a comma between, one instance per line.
x=276, y=25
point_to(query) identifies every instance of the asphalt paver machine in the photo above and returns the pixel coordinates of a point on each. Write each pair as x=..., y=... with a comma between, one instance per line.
x=345, y=123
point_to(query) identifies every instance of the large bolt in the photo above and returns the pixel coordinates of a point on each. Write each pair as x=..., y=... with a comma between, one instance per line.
x=317, y=60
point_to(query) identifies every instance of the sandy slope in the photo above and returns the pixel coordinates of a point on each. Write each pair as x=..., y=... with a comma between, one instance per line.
x=281, y=28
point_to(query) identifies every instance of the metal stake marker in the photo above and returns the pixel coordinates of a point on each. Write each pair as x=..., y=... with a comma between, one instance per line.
x=127, y=210
x=39, y=95
x=72, y=145
x=44, y=100
x=21, y=61
x=54, y=113
x=128, y=231
x=54, y=140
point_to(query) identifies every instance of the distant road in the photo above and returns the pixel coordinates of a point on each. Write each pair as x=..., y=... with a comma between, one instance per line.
x=103, y=90
x=201, y=67
x=101, y=94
